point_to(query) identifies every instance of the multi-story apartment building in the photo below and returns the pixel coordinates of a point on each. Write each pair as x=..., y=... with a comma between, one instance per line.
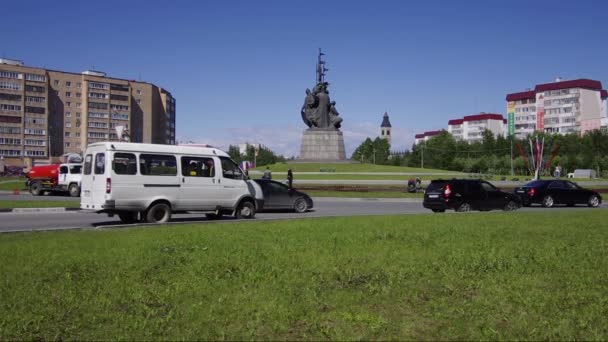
x=426, y=136
x=471, y=127
x=559, y=107
x=46, y=113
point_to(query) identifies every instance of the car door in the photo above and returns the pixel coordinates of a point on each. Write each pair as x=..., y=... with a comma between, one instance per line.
x=475, y=195
x=495, y=199
x=576, y=193
x=557, y=190
x=199, y=183
x=279, y=195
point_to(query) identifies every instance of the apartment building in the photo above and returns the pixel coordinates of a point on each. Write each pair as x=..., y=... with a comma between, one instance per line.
x=47, y=113
x=574, y=106
x=426, y=136
x=471, y=127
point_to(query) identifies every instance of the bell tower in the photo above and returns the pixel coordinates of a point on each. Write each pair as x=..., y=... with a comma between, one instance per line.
x=385, y=128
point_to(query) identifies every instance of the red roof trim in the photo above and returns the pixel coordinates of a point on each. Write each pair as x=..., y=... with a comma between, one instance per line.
x=456, y=122
x=604, y=93
x=580, y=83
x=429, y=134
x=504, y=121
x=419, y=136
x=521, y=96
x=485, y=116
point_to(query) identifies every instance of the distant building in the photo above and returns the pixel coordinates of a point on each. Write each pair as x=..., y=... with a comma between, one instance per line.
x=574, y=106
x=47, y=113
x=426, y=136
x=385, y=128
x=470, y=128
x=243, y=147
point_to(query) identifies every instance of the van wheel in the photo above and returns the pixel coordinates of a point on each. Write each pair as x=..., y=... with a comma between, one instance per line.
x=464, y=207
x=158, y=213
x=548, y=201
x=74, y=190
x=246, y=210
x=36, y=189
x=128, y=217
x=300, y=205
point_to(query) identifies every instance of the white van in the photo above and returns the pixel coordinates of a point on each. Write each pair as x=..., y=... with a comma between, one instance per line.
x=149, y=182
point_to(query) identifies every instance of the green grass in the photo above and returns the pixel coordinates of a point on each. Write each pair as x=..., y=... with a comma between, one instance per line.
x=488, y=276
x=370, y=194
x=10, y=185
x=357, y=167
x=39, y=204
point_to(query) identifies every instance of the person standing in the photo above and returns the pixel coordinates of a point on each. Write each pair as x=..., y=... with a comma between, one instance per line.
x=290, y=179
x=2, y=166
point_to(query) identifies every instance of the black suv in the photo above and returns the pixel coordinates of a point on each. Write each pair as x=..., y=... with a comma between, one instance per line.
x=467, y=195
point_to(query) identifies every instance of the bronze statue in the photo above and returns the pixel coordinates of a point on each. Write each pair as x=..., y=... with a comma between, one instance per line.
x=318, y=110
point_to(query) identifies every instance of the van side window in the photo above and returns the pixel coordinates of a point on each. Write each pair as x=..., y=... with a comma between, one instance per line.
x=198, y=167
x=100, y=163
x=157, y=165
x=230, y=169
x=124, y=164
x=87, y=164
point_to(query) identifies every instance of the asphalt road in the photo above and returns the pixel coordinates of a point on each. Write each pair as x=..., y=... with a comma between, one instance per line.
x=324, y=207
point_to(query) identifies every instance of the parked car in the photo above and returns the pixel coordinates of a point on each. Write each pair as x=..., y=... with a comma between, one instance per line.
x=551, y=192
x=279, y=196
x=466, y=195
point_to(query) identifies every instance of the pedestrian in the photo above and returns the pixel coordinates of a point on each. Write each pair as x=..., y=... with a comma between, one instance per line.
x=2, y=166
x=290, y=179
x=267, y=173
x=558, y=171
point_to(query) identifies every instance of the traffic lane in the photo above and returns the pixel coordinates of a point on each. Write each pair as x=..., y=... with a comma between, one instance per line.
x=11, y=222
x=26, y=196
x=88, y=220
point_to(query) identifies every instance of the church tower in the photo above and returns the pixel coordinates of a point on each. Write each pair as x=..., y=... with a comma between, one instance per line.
x=385, y=128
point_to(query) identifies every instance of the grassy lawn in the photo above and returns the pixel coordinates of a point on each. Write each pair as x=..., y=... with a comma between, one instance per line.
x=39, y=204
x=316, y=167
x=10, y=185
x=488, y=276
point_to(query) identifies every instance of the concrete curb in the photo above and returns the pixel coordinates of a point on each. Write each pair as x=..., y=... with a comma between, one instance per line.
x=366, y=199
x=37, y=210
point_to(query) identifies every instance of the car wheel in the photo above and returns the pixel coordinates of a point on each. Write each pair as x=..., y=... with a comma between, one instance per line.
x=464, y=207
x=510, y=206
x=36, y=189
x=245, y=210
x=548, y=201
x=300, y=205
x=129, y=217
x=158, y=213
x=74, y=190
x=594, y=201
x=438, y=210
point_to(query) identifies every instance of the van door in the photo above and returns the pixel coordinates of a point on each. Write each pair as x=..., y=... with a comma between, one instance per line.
x=159, y=177
x=232, y=183
x=93, y=194
x=199, y=187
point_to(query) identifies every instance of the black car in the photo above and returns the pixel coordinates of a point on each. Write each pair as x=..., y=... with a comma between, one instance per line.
x=551, y=192
x=467, y=195
x=279, y=196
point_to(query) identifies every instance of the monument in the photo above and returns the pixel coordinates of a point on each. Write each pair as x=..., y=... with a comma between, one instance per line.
x=323, y=140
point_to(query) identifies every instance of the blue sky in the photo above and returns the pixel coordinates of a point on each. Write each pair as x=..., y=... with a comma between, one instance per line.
x=239, y=69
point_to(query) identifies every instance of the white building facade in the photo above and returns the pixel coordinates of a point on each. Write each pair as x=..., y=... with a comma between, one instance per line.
x=471, y=127
x=563, y=107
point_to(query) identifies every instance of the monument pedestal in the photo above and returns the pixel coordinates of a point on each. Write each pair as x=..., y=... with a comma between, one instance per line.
x=322, y=145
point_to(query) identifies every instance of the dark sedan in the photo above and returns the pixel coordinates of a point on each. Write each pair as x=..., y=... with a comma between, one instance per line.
x=279, y=196
x=551, y=192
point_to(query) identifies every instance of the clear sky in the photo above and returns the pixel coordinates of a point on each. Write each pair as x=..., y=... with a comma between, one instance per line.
x=239, y=69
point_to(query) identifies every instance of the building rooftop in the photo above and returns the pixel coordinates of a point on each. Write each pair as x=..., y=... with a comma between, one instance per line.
x=385, y=121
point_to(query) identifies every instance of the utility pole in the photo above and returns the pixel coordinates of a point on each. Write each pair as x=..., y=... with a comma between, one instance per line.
x=422, y=156
x=512, y=173
x=374, y=152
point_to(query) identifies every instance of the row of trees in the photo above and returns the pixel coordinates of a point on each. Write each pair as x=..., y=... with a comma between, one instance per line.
x=493, y=153
x=261, y=156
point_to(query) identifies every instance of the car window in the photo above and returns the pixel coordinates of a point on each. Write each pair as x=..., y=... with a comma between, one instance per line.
x=570, y=185
x=534, y=184
x=278, y=188
x=436, y=186
x=556, y=185
x=488, y=187
x=75, y=169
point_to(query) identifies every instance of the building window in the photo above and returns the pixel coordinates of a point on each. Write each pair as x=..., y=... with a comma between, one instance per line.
x=34, y=89
x=68, y=124
x=10, y=97
x=35, y=78
x=78, y=95
x=98, y=95
x=68, y=114
x=56, y=82
x=37, y=99
x=119, y=107
x=77, y=114
x=67, y=144
x=10, y=108
x=77, y=104
x=68, y=134
x=138, y=92
x=10, y=74
x=78, y=85
x=34, y=131
x=10, y=86
x=98, y=105
x=10, y=130
x=68, y=94
x=95, y=85
x=10, y=141
x=119, y=116
x=68, y=84
x=93, y=124
x=77, y=134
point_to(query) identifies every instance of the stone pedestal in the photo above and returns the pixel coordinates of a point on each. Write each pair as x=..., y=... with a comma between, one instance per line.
x=322, y=145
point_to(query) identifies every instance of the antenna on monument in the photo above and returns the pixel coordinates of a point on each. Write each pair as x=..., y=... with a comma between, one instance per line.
x=321, y=69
